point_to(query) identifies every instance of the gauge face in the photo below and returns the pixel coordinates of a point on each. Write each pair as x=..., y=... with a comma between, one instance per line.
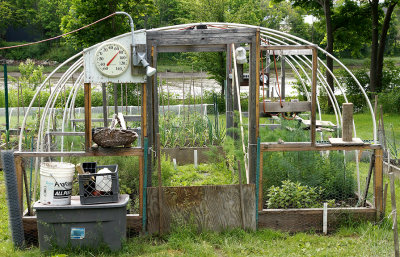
x=112, y=59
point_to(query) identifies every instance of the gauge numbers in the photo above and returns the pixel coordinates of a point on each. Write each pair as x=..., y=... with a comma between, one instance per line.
x=111, y=59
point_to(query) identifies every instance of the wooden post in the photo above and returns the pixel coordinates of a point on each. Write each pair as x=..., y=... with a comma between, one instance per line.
x=88, y=116
x=19, y=173
x=254, y=109
x=105, y=113
x=228, y=92
x=144, y=114
x=314, y=94
x=378, y=179
x=347, y=122
x=394, y=212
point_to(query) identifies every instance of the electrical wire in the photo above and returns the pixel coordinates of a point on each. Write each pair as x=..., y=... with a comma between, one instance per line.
x=56, y=37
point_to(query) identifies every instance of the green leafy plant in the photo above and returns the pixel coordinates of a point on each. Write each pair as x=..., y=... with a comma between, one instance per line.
x=294, y=195
x=310, y=168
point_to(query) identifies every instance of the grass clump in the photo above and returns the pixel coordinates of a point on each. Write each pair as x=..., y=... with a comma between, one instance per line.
x=187, y=175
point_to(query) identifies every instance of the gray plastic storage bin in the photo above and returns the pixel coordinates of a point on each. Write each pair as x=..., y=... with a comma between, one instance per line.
x=104, y=192
x=79, y=225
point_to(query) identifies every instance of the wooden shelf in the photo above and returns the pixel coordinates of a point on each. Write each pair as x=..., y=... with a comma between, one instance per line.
x=307, y=146
x=132, y=151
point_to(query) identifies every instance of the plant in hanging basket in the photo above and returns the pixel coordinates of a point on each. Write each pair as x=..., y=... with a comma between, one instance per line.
x=113, y=137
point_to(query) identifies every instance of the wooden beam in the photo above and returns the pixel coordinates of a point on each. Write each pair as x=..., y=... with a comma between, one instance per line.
x=228, y=92
x=29, y=223
x=307, y=146
x=60, y=133
x=144, y=114
x=88, y=116
x=19, y=169
x=311, y=219
x=347, y=122
x=253, y=108
x=126, y=117
x=191, y=48
x=314, y=95
x=120, y=151
x=286, y=107
x=201, y=37
x=378, y=179
x=134, y=223
x=287, y=47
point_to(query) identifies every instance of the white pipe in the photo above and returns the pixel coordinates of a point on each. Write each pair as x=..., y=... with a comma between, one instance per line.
x=21, y=135
x=236, y=84
x=325, y=219
x=195, y=159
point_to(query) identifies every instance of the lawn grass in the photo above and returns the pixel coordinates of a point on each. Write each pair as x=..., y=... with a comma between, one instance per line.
x=363, y=124
x=363, y=239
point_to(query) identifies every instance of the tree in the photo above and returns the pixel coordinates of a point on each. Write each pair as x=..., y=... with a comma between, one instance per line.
x=166, y=14
x=319, y=7
x=379, y=42
x=351, y=23
x=49, y=15
x=14, y=13
x=263, y=13
x=83, y=12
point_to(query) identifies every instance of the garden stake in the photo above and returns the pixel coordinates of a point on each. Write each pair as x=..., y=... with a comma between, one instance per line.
x=31, y=170
x=241, y=195
x=394, y=212
x=28, y=200
x=6, y=102
x=159, y=182
x=183, y=95
x=371, y=167
x=385, y=195
x=167, y=93
x=381, y=126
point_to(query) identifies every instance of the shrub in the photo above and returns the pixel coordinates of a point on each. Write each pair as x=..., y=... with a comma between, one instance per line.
x=293, y=195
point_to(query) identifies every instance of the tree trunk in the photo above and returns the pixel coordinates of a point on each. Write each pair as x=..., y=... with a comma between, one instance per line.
x=382, y=45
x=373, y=79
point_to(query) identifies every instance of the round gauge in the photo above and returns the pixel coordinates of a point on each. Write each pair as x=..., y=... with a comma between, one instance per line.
x=111, y=59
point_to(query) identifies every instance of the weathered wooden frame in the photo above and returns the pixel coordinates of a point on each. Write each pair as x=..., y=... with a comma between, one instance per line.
x=313, y=146
x=199, y=40
x=132, y=151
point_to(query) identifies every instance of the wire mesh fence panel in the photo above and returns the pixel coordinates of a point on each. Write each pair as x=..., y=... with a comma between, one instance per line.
x=299, y=183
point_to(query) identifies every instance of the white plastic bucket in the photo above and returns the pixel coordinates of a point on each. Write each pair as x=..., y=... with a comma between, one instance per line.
x=56, y=182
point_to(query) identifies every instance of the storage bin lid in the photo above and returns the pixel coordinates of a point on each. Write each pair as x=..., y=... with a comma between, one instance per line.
x=76, y=204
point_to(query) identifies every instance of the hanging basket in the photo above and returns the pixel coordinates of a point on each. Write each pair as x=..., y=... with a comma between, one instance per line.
x=113, y=137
